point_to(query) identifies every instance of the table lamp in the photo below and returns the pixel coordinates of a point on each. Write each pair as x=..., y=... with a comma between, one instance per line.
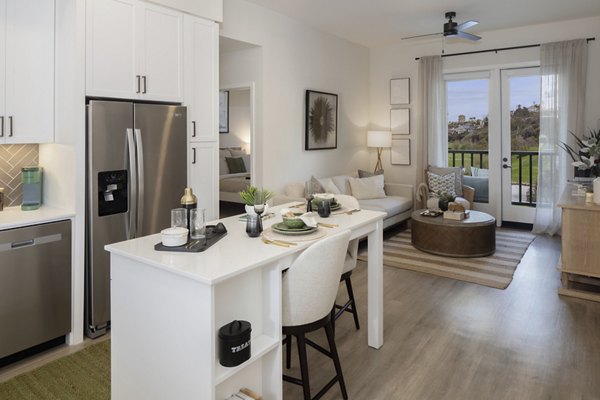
x=379, y=139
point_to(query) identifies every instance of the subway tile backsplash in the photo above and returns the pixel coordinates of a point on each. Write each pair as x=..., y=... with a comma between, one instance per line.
x=13, y=157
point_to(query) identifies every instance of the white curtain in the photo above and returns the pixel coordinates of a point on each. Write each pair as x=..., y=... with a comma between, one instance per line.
x=563, y=67
x=433, y=146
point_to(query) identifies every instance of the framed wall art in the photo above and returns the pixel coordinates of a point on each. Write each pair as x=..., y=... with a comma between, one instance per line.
x=400, y=121
x=400, y=152
x=320, y=120
x=223, y=111
x=400, y=91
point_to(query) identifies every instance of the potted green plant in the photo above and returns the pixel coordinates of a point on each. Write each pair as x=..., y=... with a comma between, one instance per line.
x=251, y=195
x=586, y=160
x=445, y=198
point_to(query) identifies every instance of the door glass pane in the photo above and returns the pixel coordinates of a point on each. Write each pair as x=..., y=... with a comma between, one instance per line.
x=524, y=135
x=468, y=109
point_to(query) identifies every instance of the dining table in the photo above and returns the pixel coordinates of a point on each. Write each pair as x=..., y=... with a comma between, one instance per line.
x=167, y=306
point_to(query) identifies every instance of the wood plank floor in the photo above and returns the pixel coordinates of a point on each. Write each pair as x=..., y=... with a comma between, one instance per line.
x=446, y=339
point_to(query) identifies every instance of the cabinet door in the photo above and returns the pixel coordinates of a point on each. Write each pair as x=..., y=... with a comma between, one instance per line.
x=29, y=71
x=110, y=49
x=201, y=43
x=2, y=68
x=203, y=177
x=160, y=42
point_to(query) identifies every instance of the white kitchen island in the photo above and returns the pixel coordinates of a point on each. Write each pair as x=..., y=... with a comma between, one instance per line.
x=167, y=308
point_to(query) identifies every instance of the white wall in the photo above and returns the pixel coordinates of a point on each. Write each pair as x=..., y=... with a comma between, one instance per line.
x=398, y=61
x=239, y=120
x=294, y=58
x=211, y=9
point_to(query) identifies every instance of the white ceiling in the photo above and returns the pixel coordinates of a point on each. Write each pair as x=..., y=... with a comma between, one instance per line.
x=381, y=22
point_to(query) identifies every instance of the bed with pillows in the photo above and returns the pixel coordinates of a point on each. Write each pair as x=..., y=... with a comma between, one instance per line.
x=234, y=173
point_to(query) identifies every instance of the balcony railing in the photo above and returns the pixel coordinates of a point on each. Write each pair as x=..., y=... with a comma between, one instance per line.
x=524, y=171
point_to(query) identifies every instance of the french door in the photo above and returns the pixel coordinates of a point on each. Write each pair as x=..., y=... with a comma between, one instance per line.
x=493, y=131
x=520, y=142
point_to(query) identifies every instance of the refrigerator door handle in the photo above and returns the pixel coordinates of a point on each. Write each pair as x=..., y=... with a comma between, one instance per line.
x=133, y=185
x=140, y=174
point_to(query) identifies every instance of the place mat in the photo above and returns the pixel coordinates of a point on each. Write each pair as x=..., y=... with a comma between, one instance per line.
x=282, y=228
x=272, y=235
x=214, y=233
x=340, y=210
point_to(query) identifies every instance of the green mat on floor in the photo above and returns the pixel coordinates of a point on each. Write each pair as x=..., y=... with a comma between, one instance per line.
x=79, y=376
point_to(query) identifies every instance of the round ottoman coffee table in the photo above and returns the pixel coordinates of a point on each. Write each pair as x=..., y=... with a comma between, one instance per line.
x=471, y=237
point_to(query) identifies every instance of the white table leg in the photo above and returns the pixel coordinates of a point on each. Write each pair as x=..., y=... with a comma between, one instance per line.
x=375, y=286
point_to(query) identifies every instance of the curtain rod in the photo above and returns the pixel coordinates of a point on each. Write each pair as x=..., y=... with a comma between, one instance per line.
x=499, y=49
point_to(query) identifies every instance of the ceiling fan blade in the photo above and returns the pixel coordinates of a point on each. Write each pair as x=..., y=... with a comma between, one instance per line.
x=466, y=35
x=467, y=25
x=418, y=36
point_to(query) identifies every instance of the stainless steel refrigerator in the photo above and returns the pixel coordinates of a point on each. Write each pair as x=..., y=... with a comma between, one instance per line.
x=136, y=173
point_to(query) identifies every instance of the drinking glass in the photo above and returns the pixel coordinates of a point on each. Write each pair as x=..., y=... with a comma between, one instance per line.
x=179, y=218
x=259, y=207
x=324, y=208
x=197, y=223
x=252, y=226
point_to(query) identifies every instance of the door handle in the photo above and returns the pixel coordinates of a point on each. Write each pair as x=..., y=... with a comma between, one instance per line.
x=10, y=126
x=133, y=189
x=137, y=77
x=506, y=166
x=1, y=125
x=193, y=128
x=145, y=82
x=140, y=176
x=193, y=155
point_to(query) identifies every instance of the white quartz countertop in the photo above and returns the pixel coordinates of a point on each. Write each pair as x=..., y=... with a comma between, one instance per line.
x=233, y=254
x=13, y=217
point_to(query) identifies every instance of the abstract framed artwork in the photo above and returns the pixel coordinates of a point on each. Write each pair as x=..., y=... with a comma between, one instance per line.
x=400, y=121
x=400, y=91
x=400, y=152
x=320, y=120
x=223, y=111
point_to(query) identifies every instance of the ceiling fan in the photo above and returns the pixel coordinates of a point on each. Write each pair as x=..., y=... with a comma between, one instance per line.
x=452, y=29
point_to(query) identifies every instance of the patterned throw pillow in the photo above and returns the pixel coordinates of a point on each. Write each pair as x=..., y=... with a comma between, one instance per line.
x=441, y=183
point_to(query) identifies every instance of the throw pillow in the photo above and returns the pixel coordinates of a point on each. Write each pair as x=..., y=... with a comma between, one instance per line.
x=237, y=153
x=223, y=169
x=235, y=164
x=247, y=163
x=366, y=174
x=328, y=185
x=441, y=183
x=446, y=170
x=367, y=188
x=313, y=186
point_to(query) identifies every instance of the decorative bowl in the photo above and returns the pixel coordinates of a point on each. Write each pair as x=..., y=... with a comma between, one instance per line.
x=172, y=237
x=293, y=222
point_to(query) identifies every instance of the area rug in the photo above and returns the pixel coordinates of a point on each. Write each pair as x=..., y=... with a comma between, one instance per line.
x=494, y=271
x=83, y=375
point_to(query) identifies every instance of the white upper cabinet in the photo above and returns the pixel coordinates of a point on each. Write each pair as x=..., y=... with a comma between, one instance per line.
x=134, y=51
x=201, y=42
x=27, y=71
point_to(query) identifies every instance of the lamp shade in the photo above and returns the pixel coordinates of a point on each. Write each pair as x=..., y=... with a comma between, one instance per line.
x=379, y=139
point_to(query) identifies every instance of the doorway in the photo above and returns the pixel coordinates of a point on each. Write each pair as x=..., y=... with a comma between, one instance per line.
x=493, y=133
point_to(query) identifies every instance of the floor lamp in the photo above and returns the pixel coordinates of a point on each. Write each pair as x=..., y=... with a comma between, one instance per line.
x=379, y=139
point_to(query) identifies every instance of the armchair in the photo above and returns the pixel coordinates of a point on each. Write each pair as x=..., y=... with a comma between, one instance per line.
x=464, y=194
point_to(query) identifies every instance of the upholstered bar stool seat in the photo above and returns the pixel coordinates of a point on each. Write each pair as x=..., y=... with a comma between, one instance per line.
x=309, y=289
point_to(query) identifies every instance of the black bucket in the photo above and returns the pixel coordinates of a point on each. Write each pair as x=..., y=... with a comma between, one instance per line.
x=234, y=343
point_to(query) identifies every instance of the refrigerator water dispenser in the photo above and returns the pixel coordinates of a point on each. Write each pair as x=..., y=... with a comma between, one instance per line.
x=112, y=192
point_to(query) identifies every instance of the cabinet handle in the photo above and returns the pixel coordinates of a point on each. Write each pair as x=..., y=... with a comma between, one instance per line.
x=138, y=83
x=193, y=128
x=1, y=125
x=10, y=126
x=193, y=155
x=144, y=79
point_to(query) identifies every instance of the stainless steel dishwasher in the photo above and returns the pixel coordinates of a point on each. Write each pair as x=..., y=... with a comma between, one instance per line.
x=35, y=285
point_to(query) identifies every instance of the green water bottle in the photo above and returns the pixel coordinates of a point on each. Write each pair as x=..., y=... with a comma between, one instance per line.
x=32, y=188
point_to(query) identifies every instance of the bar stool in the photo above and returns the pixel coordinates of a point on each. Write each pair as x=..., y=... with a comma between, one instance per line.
x=349, y=265
x=309, y=288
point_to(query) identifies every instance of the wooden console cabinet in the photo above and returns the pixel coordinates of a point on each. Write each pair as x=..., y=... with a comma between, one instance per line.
x=580, y=258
